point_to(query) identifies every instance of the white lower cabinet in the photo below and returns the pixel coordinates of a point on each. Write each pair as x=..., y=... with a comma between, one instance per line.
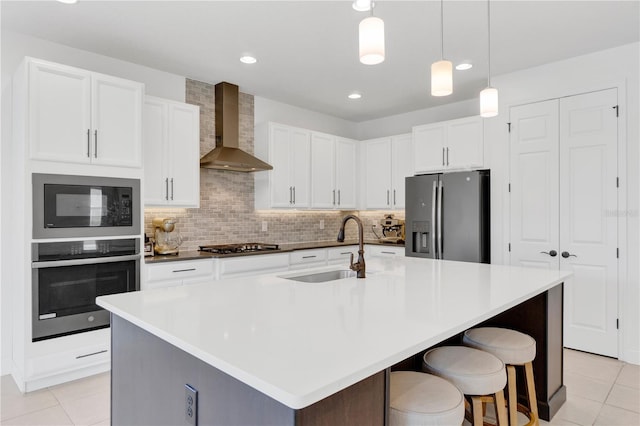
x=383, y=251
x=301, y=259
x=342, y=255
x=243, y=266
x=175, y=273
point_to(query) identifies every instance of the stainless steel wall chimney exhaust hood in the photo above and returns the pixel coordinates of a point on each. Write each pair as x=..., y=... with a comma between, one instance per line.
x=227, y=155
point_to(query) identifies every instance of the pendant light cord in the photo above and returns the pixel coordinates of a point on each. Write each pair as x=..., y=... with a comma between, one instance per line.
x=441, y=29
x=489, y=43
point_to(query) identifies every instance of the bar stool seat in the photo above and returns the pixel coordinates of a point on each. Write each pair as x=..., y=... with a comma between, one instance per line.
x=478, y=374
x=423, y=399
x=514, y=349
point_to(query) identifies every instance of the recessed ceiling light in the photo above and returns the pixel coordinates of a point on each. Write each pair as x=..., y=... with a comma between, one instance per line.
x=362, y=5
x=248, y=59
x=463, y=66
x=68, y=1
x=354, y=95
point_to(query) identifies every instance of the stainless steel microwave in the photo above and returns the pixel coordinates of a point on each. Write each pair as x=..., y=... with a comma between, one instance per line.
x=84, y=206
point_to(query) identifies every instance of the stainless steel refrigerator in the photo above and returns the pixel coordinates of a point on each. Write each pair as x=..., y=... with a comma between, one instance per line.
x=447, y=216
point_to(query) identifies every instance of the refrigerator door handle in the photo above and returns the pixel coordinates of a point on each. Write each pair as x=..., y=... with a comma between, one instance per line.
x=440, y=190
x=433, y=220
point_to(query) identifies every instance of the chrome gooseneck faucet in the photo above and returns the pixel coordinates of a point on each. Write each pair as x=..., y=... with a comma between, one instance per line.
x=359, y=266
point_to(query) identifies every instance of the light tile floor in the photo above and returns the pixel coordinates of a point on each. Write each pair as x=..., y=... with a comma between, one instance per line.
x=600, y=391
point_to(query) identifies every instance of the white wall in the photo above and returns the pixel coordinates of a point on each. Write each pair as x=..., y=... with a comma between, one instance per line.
x=266, y=110
x=617, y=67
x=402, y=123
x=16, y=46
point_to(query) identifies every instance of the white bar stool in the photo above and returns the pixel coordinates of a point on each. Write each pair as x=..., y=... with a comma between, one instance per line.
x=478, y=374
x=514, y=349
x=420, y=399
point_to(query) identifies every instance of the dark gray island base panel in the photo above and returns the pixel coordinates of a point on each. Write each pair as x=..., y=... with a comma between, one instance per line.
x=148, y=376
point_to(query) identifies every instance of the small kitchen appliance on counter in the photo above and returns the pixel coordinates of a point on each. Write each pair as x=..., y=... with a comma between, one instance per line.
x=167, y=238
x=392, y=230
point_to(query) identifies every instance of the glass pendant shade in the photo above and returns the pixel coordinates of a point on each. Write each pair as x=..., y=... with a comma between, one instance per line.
x=371, y=31
x=489, y=102
x=441, y=78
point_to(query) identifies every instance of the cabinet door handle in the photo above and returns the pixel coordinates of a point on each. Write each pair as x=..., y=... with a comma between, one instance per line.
x=443, y=156
x=91, y=354
x=388, y=197
x=294, y=195
x=346, y=253
x=551, y=253
x=309, y=257
x=171, y=189
x=334, y=197
x=338, y=197
x=291, y=195
x=387, y=252
x=566, y=254
x=88, y=143
x=166, y=189
x=447, y=156
x=394, y=197
x=184, y=270
x=95, y=143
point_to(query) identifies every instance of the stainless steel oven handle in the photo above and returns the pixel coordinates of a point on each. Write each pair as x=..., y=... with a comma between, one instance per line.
x=74, y=262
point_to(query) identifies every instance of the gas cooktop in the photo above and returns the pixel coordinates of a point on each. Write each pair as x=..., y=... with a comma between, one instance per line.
x=239, y=248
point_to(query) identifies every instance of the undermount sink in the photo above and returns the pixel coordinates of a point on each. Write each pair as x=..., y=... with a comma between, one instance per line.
x=320, y=277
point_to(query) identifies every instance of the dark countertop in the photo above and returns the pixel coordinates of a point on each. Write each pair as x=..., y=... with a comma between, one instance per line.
x=284, y=248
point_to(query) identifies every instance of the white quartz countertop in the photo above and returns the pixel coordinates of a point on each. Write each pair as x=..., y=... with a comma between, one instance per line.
x=300, y=342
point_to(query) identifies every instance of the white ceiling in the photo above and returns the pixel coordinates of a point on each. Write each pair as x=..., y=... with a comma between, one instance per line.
x=308, y=50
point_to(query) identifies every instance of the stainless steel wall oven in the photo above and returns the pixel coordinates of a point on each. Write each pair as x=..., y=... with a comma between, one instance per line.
x=68, y=276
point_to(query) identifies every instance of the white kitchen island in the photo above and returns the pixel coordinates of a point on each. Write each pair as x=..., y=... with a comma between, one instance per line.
x=277, y=351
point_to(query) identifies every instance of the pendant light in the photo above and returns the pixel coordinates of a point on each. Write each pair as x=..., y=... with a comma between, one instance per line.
x=441, y=71
x=371, y=37
x=489, y=96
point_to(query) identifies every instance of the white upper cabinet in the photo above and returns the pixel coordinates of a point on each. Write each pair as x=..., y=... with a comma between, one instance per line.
x=387, y=161
x=78, y=116
x=323, y=176
x=449, y=145
x=171, y=153
x=288, y=150
x=333, y=172
x=401, y=167
x=346, y=173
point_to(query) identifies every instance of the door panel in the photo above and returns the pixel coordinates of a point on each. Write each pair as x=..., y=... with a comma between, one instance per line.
x=588, y=192
x=322, y=171
x=401, y=167
x=378, y=173
x=461, y=217
x=534, y=184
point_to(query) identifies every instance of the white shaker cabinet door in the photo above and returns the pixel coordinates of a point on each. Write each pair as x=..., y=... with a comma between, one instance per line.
x=59, y=112
x=378, y=173
x=116, y=121
x=155, y=159
x=323, y=188
x=300, y=166
x=429, y=147
x=184, y=155
x=401, y=166
x=280, y=176
x=346, y=174
x=465, y=148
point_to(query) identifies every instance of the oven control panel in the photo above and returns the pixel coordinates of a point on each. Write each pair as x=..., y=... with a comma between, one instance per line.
x=83, y=249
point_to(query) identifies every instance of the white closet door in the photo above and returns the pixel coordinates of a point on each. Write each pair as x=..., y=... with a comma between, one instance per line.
x=588, y=225
x=534, y=185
